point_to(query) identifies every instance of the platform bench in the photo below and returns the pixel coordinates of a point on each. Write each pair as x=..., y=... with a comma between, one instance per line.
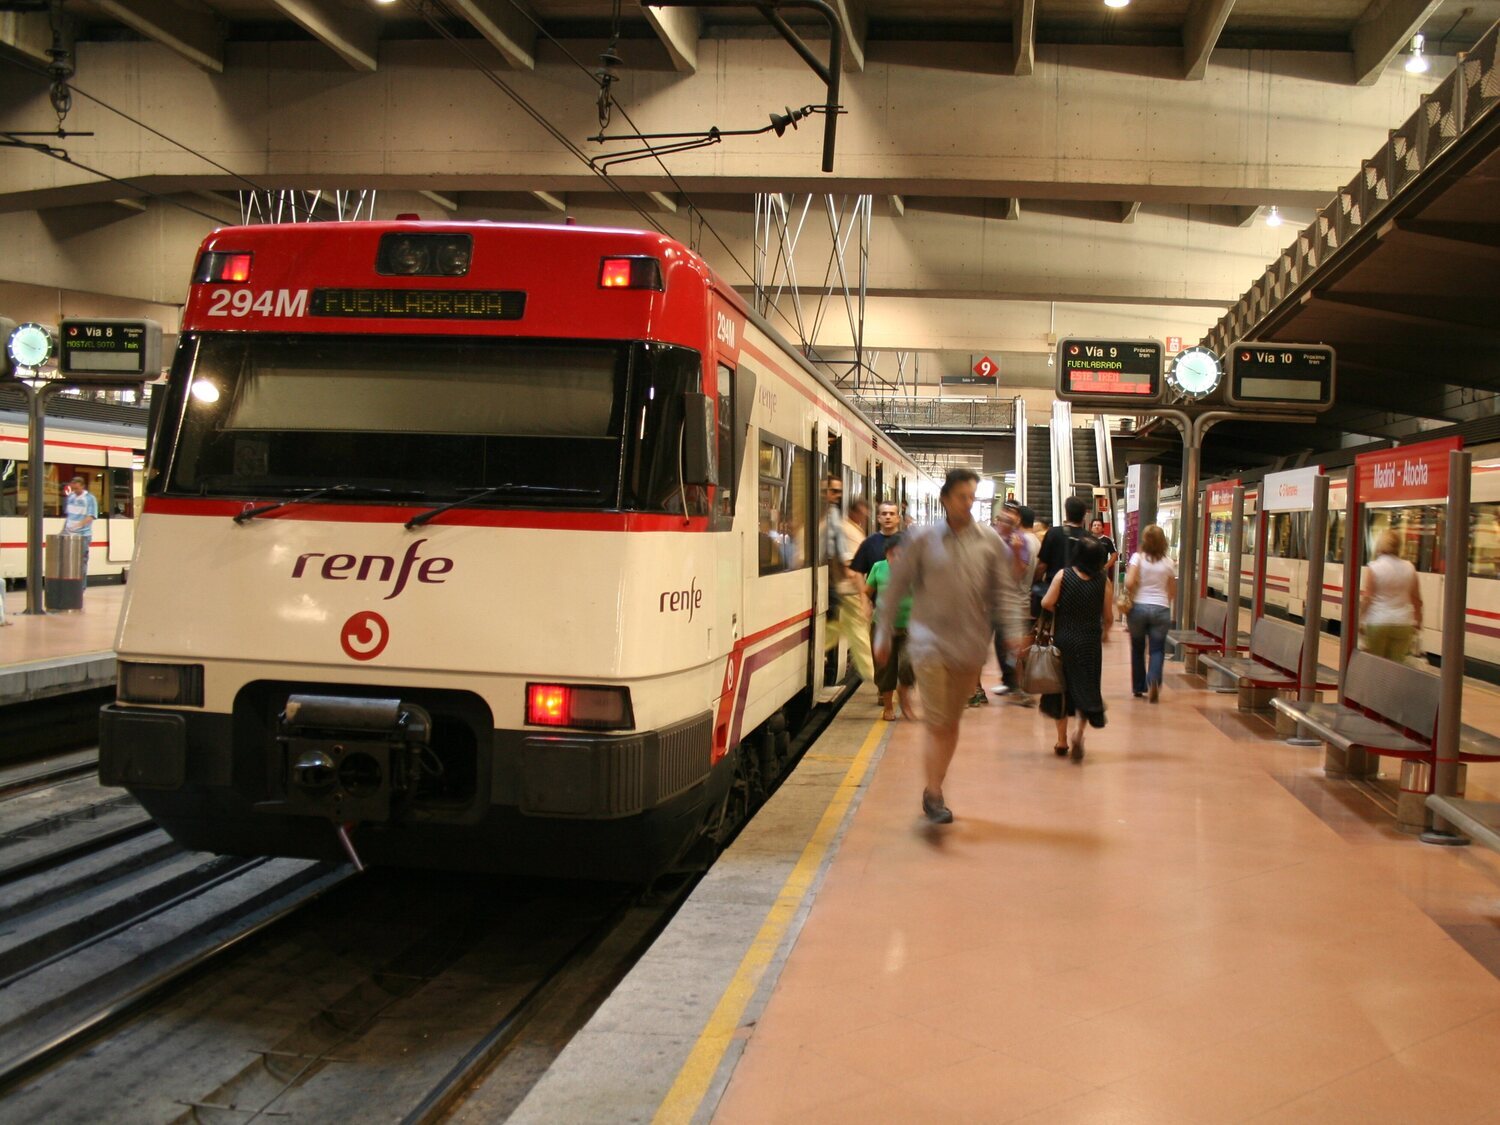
x=1273, y=666
x=1390, y=711
x=1207, y=636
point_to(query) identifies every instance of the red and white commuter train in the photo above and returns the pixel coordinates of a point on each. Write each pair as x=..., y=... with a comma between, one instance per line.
x=1421, y=530
x=493, y=546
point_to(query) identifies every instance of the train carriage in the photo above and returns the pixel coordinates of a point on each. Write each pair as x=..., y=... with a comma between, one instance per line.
x=476, y=545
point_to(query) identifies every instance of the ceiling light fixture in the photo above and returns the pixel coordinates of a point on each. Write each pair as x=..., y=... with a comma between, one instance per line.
x=1274, y=218
x=1418, y=63
x=1117, y=3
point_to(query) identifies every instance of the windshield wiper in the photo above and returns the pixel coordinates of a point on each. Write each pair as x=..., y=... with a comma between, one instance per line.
x=251, y=513
x=478, y=494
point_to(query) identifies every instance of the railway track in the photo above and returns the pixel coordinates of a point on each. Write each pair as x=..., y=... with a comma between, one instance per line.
x=385, y=999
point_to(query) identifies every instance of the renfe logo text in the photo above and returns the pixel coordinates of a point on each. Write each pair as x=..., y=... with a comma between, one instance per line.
x=675, y=601
x=375, y=568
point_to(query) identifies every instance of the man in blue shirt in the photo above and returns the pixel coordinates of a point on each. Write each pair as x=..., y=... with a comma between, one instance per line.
x=80, y=510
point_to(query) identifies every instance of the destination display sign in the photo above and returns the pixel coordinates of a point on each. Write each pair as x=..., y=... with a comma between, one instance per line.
x=1284, y=375
x=110, y=346
x=420, y=304
x=1105, y=370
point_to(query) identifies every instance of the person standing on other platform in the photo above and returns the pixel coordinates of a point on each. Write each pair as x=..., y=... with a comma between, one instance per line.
x=893, y=676
x=1082, y=600
x=847, y=617
x=80, y=510
x=1390, y=600
x=963, y=587
x=1151, y=580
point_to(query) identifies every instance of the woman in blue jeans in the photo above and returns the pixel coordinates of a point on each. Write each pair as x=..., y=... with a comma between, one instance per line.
x=1152, y=582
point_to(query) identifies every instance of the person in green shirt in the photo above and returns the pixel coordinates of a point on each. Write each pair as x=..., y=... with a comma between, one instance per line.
x=894, y=678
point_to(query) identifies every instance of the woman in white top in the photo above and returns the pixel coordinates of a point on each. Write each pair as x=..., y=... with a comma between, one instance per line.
x=1152, y=582
x=1390, y=600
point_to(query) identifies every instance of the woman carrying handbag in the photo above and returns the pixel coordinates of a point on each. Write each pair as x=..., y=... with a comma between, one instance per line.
x=1081, y=598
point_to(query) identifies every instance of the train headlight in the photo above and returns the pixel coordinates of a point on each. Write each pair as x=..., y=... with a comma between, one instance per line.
x=160, y=683
x=576, y=705
x=424, y=255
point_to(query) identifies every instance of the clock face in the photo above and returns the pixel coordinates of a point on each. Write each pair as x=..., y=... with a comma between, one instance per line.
x=32, y=345
x=1196, y=372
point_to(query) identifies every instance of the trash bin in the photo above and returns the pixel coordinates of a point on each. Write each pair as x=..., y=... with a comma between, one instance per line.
x=62, y=572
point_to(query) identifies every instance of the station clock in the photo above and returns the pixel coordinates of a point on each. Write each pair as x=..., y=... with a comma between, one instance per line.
x=1196, y=373
x=32, y=345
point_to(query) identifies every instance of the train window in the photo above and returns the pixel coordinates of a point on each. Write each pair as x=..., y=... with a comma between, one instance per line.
x=1335, y=549
x=561, y=424
x=121, y=494
x=10, y=488
x=1484, y=540
x=783, y=507
x=728, y=466
x=1419, y=533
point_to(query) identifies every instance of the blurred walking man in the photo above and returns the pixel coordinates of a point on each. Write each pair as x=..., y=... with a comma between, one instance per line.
x=964, y=588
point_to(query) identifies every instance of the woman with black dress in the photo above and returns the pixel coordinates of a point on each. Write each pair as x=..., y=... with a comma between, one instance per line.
x=1081, y=600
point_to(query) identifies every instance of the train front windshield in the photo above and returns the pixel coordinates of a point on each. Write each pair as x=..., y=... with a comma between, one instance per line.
x=543, y=423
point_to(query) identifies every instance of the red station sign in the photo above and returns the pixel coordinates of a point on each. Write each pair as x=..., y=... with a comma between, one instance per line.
x=987, y=368
x=1221, y=495
x=1406, y=473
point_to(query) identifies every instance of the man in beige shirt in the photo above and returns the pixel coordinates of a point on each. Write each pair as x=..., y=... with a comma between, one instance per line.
x=964, y=589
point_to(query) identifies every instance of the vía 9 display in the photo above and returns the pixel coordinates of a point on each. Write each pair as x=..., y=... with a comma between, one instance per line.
x=1110, y=369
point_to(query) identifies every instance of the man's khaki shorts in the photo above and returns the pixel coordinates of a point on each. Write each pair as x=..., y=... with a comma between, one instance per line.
x=945, y=691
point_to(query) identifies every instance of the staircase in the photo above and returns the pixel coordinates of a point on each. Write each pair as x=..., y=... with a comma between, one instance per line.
x=1039, y=471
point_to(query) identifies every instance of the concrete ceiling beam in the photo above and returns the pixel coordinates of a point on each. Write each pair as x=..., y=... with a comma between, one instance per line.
x=662, y=202
x=896, y=205
x=1010, y=210
x=353, y=37
x=554, y=203
x=506, y=26
x=852, y=22
x=1386, y=27
x=679, y=30
x=1128, y=212
x=1023, y=38
x=446, y=202
x=1200, y=33
x=27, y=34
x=195, y=36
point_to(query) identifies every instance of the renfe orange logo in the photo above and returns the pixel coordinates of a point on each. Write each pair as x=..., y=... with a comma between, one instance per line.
x=365, y=635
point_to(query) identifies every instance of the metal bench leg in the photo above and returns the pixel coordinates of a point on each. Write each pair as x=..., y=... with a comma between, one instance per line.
x=1289, y=729
x=1256, y=698
x=1190, y=662
x=1412, y=813
x=1352, y=764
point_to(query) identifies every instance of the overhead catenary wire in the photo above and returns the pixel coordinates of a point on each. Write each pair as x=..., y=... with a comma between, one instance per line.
x=101, y=103
x=693, y=209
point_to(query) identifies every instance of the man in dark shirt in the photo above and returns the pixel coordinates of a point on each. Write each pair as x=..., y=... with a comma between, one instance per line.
x=1057, y=549
x=872, y=550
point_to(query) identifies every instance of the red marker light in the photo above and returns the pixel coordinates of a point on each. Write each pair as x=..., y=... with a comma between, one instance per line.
x=236, y=268
x=547, y=705
x=615, y=274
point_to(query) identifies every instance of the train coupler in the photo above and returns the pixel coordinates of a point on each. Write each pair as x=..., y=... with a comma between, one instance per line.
x=349, y=759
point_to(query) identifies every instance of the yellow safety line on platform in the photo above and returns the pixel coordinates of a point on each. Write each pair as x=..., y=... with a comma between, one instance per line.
x=687, y=1092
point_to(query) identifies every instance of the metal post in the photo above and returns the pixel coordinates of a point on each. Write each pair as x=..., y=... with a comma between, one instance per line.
x=1258, y=589
x=1445, y=774
x=1349, y=619
x=1232, y=582
x=36, y=475
x=1312, y=607
x=1187, y=536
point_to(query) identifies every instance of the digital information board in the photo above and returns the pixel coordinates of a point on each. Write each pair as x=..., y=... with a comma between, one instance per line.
x=130, y=349
x=1101, y=371
x=1282, y=375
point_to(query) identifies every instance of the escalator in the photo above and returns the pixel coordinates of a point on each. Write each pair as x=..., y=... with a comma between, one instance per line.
x=1085, y=464
x=1039, y=471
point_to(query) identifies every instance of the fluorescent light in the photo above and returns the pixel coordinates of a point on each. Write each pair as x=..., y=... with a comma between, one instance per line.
x=1117, y=3
x=1418, y=63
x=1274, y=218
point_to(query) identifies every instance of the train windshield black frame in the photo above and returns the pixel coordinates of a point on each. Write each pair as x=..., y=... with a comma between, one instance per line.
x=546, y=423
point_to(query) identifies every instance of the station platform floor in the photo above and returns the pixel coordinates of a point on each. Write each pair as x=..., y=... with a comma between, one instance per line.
x=1191, y=925
x=57, y=653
